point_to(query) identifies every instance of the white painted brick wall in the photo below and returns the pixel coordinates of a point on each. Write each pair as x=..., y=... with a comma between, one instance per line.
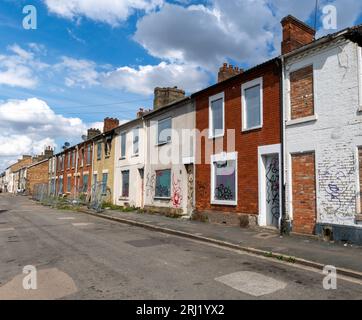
x=334, y=136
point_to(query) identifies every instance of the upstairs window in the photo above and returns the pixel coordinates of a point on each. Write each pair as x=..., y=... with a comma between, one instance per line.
x=99, y=150
x=216, y=116
x=164, y=131
x=68, y=159
x=73, y=159
x=123, y=145
x=104, y=183
x=252, y=104
x=125, y=184
x=89, y=154
x=301, y=93
x=136, y=139
x=163, y=184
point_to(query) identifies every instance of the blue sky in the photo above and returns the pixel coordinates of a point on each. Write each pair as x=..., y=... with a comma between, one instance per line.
x=91, y=59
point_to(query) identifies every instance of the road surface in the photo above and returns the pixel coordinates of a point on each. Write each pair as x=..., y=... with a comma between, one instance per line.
x=77, y=256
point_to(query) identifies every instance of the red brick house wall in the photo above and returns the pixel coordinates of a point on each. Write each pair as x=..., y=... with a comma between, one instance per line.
x=304, y=193
x=247, y=143
x=37, y=174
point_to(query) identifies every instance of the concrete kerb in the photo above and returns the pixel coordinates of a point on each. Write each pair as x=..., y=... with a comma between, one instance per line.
x=269, y=255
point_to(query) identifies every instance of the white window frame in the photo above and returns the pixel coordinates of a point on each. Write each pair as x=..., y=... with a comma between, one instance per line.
x=158, y=133
x=211, y=128
x=133, y=144
x=359, y=59
x=244, y=87
x=224, y=157
x=123, y=134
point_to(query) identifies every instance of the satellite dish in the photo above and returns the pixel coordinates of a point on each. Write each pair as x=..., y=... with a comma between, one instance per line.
x=67, y=144
x=84, y=137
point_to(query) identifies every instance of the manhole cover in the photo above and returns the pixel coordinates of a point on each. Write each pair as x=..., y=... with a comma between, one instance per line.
x=145, y=243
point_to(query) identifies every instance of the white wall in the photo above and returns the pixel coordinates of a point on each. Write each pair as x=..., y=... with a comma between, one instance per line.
x=131, y=163
x=171, y=156
x=336, y=133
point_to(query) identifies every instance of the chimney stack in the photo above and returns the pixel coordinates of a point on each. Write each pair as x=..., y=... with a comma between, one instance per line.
x=165, y=96
x=48, y=152
x=228, y=71
x=110, y=123
x=296, y=34
x=92, y=132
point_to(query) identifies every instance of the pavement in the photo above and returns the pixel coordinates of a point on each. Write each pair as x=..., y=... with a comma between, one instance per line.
x=305, y=250
x=80, y=256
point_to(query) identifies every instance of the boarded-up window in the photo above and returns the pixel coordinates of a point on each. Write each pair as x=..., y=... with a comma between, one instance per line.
x=301, y=93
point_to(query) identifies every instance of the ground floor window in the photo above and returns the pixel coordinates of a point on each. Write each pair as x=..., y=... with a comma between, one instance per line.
x=68, y=184
x=104, y=183
x=223, y=179
x=85, y=183
x=125, y=184
x=163, y=184
x=60, y=191
x=360, y=176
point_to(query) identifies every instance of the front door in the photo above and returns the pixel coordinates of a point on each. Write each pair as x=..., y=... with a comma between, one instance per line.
x=272, y=190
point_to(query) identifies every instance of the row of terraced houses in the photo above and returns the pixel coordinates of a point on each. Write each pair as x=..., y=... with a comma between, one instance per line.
x=278, y=145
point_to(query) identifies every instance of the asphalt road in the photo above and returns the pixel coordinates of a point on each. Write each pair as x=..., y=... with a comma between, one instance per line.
x=78, y=256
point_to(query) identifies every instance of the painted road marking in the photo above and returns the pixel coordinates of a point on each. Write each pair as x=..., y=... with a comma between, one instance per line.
x=82, y=224
x=7, y=229
x=66, y=218
x=252, y=283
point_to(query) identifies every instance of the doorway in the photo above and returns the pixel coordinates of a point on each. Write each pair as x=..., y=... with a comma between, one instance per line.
x=269, y=186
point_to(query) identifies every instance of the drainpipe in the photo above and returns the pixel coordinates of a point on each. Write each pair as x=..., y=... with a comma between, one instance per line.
x=283, y=224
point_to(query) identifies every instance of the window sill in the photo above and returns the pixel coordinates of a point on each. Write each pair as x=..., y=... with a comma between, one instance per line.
x=359, y=109
x=135, y=155
x=122, y=158
x=302, y=120
x=217, y=136
x=123, y=198
x=251, y=129
x=224, y=203
x=162, y=199
x=160, y=144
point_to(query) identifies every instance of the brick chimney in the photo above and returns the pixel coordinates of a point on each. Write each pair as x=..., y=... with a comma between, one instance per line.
x=228, y=71
x=92, y=132
x=48, y=152
x=141, y=112
x=165, y=96
x=110, y=123
x=295, y=34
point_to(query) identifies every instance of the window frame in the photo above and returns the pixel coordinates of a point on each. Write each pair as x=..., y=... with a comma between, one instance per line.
x=123, y=136
x=233, y=156
x=359, y=59
x=85, y=187
x=104, y=186
x=68, y=159
x=160, y=143
x=99, y=150
x=89, y=155
x=244, y=116
x=122, y=172
x=69, y=184
x=160, y=197
x=213, y=98
x=135, y=154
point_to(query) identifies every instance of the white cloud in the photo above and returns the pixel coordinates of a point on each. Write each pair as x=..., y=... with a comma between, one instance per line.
x=78, y=72
x=108, y=11
x=27, y=126
x=19, y=68
x=144, y=79
x=245, y=31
